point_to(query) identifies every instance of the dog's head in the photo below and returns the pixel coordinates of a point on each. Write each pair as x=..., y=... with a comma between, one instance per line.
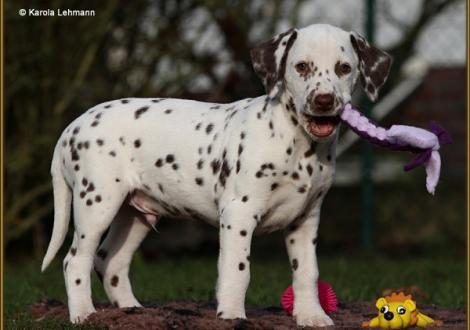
x=317, y=68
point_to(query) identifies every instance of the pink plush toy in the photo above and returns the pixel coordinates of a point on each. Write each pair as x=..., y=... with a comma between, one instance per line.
x=325, y=293
x=407, y=138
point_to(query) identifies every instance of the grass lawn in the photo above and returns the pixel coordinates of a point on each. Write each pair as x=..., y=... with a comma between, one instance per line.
x=194, y=277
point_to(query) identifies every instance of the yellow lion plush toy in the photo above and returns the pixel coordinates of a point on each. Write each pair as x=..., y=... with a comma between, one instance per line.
x=398, y=311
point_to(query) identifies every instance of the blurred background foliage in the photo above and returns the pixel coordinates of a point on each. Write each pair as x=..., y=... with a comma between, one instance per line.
x=57, y=67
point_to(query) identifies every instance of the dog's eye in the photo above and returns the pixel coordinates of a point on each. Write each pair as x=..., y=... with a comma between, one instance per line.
x=301, y=67
x=384, y=309
x=345, y=68
x=401, y=310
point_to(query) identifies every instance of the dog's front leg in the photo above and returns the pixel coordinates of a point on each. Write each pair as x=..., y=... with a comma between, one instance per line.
x=237, y=224
x=301, y=243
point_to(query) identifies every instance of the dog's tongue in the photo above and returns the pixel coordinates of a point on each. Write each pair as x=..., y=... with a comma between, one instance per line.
x=322, y=126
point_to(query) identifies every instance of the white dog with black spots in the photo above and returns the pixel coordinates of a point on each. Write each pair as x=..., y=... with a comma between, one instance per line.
x=252, y=166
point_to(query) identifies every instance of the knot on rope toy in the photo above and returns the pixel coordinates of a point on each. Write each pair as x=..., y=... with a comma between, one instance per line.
x=424, y=143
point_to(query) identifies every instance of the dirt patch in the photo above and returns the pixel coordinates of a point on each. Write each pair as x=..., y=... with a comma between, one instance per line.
x=193, y=315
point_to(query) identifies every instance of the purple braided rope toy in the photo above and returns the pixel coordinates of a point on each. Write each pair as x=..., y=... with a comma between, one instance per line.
x=422, y=142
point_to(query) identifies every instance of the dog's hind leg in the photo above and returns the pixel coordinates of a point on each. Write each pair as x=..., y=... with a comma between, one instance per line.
x=94, y=209
x=114, y=256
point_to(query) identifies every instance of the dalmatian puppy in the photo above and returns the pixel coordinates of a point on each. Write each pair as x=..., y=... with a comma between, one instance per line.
x=248, y=167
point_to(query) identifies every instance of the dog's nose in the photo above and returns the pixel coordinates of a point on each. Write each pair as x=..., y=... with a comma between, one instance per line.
x=388, y=316
x=323, y=102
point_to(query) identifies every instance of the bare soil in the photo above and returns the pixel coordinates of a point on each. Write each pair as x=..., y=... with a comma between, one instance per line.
x=194, y=316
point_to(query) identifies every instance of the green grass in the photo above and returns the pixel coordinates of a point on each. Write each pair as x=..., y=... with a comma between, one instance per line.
x=193, y=278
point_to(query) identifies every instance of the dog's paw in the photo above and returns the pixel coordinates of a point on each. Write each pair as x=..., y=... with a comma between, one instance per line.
x=319, y=319
x=230, y=315
x=80, y=317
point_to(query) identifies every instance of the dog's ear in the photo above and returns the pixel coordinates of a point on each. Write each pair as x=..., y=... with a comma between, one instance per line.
x=269, y=61
x=374, y=65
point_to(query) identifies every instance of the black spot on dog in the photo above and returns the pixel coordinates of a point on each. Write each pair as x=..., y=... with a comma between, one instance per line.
x=107, y=106
x=117, y=180
x=160, y=187
x=294, y=120
x=241, y=266
x=79, y=146
x=168, y=111
x=114, y=280
x=309, y=169
x=112, y=153
x=292, y=241
x=215, y=164
x=76, y=168
x=95, y=123
x=209, y=149
x=295, y=264
x=73, y=251
x=199, y=181
x=219, y=314
x=140, y=111
x=137, y=143
x=175, y=167
x=200, y=164
x=271, y=126
x=89, y=202
x=243, y=232
x=244, y=199
x=274, y=186
x=224, y=173
x=99, y=142
x=295, y=176
x=229, y=227
x=76, y=130
x=102, y=254
x=75, y=156
x=321, y=167
x=156, y=100
x=159, y=162
x=198, y=126
x=170, y=158
x=78, y=281
x=240, y=149
x=82, y=236
x=215, y=107
x=98, y=198
x=289, y=151
x=86, y=144
x=209, y=128
x=302, y=190
x=242, y=135
x=124, y=101
x=65, y=266
x=82, y=194
x=91, y=187
x=85, y=182
x=311, y=150
x=238, y=165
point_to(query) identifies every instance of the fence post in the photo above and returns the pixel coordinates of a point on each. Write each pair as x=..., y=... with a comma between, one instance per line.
x=367, y=192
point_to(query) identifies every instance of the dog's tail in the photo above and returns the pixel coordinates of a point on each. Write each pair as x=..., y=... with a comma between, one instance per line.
x=62, y=205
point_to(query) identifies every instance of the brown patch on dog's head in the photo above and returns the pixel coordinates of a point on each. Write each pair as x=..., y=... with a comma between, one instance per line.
x=269, y=60
x=374, y=65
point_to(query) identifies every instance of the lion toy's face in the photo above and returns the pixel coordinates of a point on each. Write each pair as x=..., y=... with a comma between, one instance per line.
x=395, y=314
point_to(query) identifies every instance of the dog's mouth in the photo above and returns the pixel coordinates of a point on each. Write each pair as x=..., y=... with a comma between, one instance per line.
x=321, y=126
